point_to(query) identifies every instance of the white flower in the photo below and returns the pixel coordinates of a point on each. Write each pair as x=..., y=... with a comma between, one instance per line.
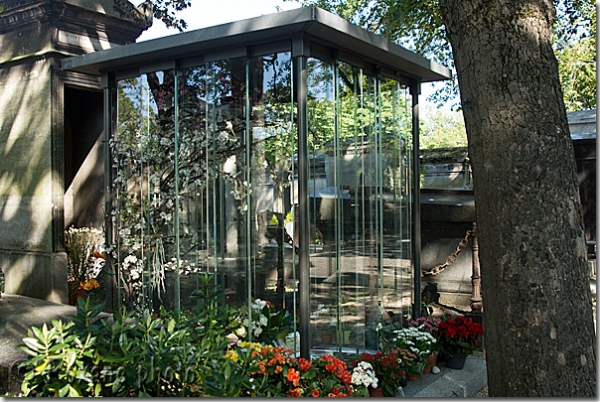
x=233, y=338
x=263, y=320
x=363, y=374
x=130, y=259
x=241, y=332
x=135, y=274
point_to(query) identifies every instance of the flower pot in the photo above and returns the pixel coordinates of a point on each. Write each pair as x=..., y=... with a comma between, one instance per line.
x=328, y=339
x=431, y=362
x=413, y=377
x=376, y=392
x=457, y=361
x=403, y=382
x=80, y=293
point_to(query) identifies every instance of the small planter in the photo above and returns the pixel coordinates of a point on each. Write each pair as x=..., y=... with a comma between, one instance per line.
x=457, y=361
x=80, y=293
x=376, y=392
x=413, y=377
x=327, y=339
x=431, y=362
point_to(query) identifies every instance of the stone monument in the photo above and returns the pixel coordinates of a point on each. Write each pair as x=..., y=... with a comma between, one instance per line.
x=51, y=123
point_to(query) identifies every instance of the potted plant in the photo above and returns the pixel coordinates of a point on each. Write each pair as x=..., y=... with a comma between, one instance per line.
x=430, y=325
x=85, y=260
x=459, y=337
x=325, y=318
x=364, y=375
x=387, y=368
x=418, y=342
x=411, y=363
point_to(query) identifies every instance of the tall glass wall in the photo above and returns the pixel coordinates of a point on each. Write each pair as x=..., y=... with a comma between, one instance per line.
x=205, y=172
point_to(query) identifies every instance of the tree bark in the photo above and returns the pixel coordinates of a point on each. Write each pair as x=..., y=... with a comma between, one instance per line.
x=540, y=336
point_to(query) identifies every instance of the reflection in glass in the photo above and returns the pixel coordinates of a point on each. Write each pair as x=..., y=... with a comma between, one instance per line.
x=205, y=162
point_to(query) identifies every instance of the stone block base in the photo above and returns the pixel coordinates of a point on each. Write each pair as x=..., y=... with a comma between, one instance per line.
x=34, y=274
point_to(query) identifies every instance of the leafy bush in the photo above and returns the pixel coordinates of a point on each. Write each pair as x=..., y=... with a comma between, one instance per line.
x=165, y=355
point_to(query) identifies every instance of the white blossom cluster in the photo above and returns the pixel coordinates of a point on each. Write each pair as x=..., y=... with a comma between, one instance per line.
x=82, y=246
x=363, y=374
x=258, y=322
x=417, y=341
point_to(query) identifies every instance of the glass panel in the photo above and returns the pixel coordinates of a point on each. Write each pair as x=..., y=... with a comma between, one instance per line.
x=323, y=207
x=395, y=124
x=213, y=206
x=359, y=128
x=357, y=277
x=143, y=194
x=272, y=202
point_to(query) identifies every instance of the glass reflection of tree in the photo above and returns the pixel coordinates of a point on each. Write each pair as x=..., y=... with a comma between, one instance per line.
x=145, y=152
x=274, y=148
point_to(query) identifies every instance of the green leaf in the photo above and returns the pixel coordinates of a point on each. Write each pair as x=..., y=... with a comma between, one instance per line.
x=73, y=392
x=57, y=347
x=33, y=344
x=64, y=391
x=71, y=357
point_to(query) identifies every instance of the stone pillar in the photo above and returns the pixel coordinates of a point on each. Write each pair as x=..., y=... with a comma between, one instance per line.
x=476, y=301
x=37, y=141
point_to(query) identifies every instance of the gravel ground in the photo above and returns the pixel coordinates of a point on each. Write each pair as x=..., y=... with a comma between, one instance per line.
x=483, y=393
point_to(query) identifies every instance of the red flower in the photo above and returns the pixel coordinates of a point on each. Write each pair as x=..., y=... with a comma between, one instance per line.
x=314, y=393
x=459, y=333
x=304, y=364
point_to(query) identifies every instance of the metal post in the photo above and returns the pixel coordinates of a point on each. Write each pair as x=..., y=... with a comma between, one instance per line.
x=476, y=301
x=108, y=84
x=415, y=90
x=300, y=54
x=176, y=174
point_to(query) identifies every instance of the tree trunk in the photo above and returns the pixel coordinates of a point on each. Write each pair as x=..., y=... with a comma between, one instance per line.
x=540, y=338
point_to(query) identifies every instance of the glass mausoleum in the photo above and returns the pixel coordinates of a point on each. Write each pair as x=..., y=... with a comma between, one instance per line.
x=275, y=153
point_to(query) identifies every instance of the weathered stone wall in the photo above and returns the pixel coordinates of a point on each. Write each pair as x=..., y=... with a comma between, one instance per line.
x=26, y=164
x=26, y=186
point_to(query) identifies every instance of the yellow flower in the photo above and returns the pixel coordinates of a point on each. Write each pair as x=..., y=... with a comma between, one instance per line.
x=252, y=346
x=232, y=355
x=89, y=284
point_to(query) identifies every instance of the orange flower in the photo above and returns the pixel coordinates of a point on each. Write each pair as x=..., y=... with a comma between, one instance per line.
x=345, y=376
x=278, y=369
x=293, y=376
x=295, y=393
x=304, y=364
x=98, y=254
x=314, y=393
x=89, y=284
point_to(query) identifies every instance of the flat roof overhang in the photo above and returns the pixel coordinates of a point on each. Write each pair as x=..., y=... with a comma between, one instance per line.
x=320, y=26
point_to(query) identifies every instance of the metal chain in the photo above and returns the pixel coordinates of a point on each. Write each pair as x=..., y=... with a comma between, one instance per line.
x=451, y=259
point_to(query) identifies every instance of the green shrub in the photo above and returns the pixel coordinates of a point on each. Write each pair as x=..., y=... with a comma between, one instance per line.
x=166, y=355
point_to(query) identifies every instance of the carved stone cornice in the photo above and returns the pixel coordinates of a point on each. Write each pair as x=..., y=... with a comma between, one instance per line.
x=127, y=18
x=31, y=28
